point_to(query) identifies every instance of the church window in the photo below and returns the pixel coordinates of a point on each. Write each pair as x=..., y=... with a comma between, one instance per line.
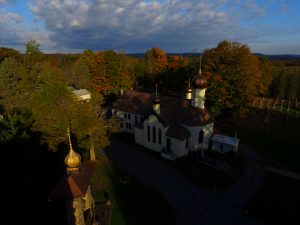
x=200, y=138
x=168, y=144
x=136, y=119
x=148, y=133
x=159, y=136
x=154, y=134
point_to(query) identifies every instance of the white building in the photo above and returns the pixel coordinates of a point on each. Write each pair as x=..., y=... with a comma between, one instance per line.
x=82, y=94
x=224, y=144
x=172, y=126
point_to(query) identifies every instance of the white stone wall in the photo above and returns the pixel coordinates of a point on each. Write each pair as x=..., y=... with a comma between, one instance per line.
x=198, y=98
x=128, y=122
x=194, y=130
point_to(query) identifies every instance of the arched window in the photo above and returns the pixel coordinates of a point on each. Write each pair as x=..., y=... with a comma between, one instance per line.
x=154, y=134
x=168, y=144
x=200, y=138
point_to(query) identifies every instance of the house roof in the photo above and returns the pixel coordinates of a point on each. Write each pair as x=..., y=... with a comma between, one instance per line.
x=81, y=92
x=225, y=139
x=172, y=109
x=74, y=185
x=177, y=131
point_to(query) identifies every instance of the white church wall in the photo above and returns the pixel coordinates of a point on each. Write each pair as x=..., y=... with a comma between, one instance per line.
x=151, y=122
x=194, y=130
x=178, y=147
x=198, y=98
x=139, y=136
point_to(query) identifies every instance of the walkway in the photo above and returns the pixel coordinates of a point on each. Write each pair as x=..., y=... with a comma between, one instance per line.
x=193, y=205
x=282, y=172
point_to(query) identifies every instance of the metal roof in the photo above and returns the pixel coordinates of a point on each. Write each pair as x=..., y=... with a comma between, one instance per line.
x=225, y=139
x=81, y=92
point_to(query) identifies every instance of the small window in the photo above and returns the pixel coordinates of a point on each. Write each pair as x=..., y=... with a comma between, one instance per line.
x=154, y=134
x=148, y=133
x=128, y=116
x=115, y=112
x=135, y=119
x=121, y=125
x=200, y=138
x=125, y=115
x=159, y=136
x=168, y=144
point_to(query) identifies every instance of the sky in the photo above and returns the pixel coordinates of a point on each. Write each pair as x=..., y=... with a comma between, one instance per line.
x=134, y=26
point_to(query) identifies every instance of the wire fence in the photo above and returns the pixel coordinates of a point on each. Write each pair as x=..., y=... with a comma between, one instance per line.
x=288, y=107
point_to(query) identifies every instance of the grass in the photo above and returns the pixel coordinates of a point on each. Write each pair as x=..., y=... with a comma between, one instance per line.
x=277, y=202
x=280, y=148
x=132, y=203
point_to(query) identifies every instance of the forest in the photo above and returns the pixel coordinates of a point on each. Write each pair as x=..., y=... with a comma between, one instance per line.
x=34, y=96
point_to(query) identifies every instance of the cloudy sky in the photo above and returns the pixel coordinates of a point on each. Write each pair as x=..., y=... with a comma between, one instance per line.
x=267, y=26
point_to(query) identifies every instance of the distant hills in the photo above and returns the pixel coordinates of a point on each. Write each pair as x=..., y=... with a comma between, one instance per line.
x=271, y=57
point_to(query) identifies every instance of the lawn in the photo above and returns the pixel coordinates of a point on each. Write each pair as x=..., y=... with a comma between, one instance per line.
x=280, y=148
x=132, y=202
x=277, y=202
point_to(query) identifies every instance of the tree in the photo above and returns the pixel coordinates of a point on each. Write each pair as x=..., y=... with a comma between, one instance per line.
x=10, y=85
x=54, y=111
x=156, y=61
x=8, y=53
x=234, y=75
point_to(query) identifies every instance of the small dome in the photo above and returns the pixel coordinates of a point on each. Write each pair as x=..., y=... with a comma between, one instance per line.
x=199, y=82
x=156, y=100
x=73, y=159
x=189, y=89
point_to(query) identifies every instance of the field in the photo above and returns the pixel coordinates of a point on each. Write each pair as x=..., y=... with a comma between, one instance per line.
x=280, y=148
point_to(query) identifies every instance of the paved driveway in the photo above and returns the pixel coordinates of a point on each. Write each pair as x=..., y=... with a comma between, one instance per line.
x=193, y=205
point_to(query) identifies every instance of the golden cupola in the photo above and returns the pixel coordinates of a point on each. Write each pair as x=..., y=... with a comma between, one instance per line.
x=73, y=159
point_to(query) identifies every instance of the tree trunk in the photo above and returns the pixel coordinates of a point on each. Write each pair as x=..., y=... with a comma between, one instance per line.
x=92, y=149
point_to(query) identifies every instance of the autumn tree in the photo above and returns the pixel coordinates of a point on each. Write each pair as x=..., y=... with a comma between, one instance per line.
x=233, y=74
x=156, y=61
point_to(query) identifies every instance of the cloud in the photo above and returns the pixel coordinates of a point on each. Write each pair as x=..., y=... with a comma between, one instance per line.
x=136, y=25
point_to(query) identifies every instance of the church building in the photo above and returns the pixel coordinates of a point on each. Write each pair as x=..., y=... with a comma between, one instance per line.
x=173, y=126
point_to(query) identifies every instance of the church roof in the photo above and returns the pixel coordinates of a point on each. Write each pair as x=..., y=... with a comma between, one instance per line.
x=172, y=109
x=74, y=185
x=178, y=132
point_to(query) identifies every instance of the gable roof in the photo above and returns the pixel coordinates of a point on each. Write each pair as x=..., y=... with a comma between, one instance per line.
x=172, y=109
x=177, y=131
x=74, y=185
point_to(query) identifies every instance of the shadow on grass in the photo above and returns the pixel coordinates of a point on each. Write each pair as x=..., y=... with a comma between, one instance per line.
x=132, y=201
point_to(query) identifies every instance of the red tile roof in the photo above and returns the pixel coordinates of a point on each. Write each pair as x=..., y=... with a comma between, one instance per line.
x=177, y=131
x=74, y=185
x=172, y=109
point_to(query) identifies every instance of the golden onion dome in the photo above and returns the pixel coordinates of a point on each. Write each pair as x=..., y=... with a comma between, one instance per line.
x=199, y=82
x=73, y=159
